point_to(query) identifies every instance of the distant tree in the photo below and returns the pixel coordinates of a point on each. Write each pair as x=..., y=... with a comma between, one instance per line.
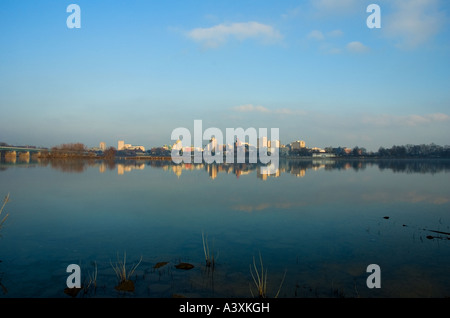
x=109, y=153
x=72, y=147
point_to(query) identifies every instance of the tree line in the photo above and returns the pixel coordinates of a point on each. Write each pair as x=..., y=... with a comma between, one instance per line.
x=403, y=151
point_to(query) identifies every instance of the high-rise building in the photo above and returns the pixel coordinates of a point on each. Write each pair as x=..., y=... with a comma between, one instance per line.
x=262, y=142
x=102, y=146
x=298, y=144
x=121, y=145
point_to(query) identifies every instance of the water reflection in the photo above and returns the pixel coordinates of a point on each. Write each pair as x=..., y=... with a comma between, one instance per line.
x=324, y=230
x=298, y=168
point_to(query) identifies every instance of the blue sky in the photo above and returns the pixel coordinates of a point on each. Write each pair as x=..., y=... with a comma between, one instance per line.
x=136, y=70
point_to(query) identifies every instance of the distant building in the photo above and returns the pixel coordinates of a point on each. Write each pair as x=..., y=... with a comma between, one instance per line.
x=323, y=155
x=273, y=144
x=298, y=144
x=121, y=145
x=317, y=149
x=178, y=145
x=102, y=146
x=262, y=142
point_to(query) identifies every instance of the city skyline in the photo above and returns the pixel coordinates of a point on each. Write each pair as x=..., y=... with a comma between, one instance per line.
x=313, y=69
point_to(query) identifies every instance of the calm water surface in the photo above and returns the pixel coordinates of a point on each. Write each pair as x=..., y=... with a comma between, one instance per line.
x=318, y=224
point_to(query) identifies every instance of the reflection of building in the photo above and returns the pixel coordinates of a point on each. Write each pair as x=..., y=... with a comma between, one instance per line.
x=298, y=172
x=264, y=176
x=212, y=170
x=177, y=169
x=122, y=168
x=212, y=146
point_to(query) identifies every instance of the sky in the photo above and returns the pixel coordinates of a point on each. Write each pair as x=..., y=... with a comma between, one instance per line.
x=137, y=70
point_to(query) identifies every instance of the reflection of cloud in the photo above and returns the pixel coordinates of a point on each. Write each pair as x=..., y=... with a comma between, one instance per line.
x=218, y=35
x=264, y=206
x=409, y=197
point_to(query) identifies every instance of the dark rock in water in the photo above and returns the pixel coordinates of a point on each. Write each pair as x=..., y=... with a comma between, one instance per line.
x=125, y=285
x=184, y=266
x=73, y=292
x=385, y=217
x=160, y=264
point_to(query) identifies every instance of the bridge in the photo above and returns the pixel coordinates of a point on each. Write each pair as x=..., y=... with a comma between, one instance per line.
x=12, y=152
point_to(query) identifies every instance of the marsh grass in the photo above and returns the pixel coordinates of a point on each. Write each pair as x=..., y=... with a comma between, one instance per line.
x=92, y=280
x=2, y=220
x=260, y=279
x=209, y=255
x=125, y=283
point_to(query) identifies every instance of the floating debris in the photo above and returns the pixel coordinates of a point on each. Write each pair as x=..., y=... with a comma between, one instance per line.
x=160, y=264
x=184, y=266
x=125, y=285
x=385, y=217
x=73, y=292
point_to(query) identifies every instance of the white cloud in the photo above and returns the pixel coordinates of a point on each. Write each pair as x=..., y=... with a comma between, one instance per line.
x=316, y=35
x=414, y=22
x=251, y=108
x=357, y=47
x=335, y=33
x=219, y=34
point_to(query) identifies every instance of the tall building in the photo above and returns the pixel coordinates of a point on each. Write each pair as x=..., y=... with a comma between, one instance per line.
x=102, y=146
x=121, y=145
x=298, y=144
x=262, y=142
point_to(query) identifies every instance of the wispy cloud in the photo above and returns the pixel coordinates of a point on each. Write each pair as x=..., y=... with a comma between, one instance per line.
x=251, y=108
x=316, y=35
x=218, y=35
x=407, y=120
x=262, y=109
x=414, y=22
x=357, y=47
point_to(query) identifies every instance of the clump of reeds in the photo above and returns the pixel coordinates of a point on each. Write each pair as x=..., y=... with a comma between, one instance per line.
x=5, y=200
x=92, y=280
x=209, y=256
x=125, y=283
x=260, y=279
